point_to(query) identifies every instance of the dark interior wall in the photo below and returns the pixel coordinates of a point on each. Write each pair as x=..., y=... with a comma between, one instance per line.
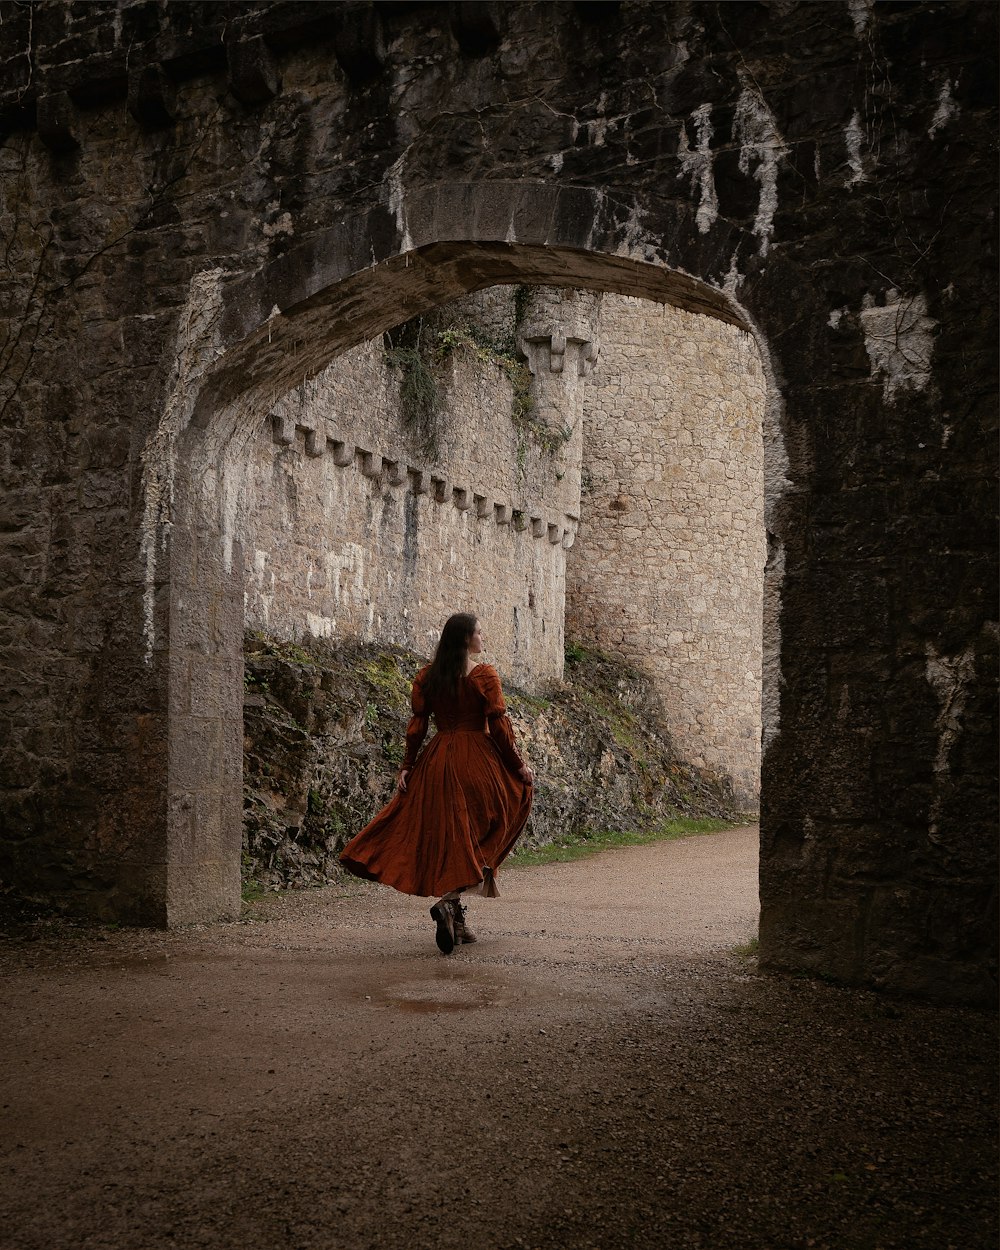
x=831, y=166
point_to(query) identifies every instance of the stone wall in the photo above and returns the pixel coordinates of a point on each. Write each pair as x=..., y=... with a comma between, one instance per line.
x=353, y=527
x=668, y=567
x=203, y=204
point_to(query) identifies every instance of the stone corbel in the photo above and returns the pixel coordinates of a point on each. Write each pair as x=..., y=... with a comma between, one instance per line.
x=315, y=442
x=462, y=498
x=58, y=122
x=371, y=463
x=395, y=472
x=484, y=506
x=282, y=429
x=543, y=349
x=343, y=453
x=555, y=534
x=518, y=520
x=441, y=489
x=568, y=538
x=504, y=513
x=421, y=480
x=538, y=527
x=588, y=358
x=535, y=342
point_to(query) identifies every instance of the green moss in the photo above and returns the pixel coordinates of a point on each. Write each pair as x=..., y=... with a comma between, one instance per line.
x=258, y=644
x=393, y=749
x=520, y=700
x=389, y=678
x=589, y=842
x=409, y=351
x=522, y=298
x=418, y=352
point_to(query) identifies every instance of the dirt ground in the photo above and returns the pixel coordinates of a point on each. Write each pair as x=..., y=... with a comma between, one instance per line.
x=600, y=1070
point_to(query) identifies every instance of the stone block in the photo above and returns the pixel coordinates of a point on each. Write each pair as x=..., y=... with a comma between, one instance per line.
x=198, y=745
x=253, y=75
x=58, y=122
x=152, y=100
x=216, y=685
x=496, y=211
x=476, y=25
x=201, y=893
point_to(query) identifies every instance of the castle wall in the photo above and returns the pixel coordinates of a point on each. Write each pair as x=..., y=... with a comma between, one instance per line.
x=667, y=570
x=204, y=201
x=364, y=522
x=353, y=528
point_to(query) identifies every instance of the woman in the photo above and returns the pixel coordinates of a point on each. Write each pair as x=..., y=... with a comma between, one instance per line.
x=460, y=805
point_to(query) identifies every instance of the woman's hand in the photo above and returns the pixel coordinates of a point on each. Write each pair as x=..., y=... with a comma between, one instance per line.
x=403, y=774
x=527, y=776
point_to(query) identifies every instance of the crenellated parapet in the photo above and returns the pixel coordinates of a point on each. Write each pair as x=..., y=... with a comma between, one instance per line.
x=558, y=339
x=394, y=471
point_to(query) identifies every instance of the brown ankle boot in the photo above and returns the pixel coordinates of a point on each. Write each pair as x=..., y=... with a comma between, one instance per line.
x=444, y=934
x=462, y=932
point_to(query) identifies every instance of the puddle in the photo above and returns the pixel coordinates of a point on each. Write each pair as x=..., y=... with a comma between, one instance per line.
x=467, y=990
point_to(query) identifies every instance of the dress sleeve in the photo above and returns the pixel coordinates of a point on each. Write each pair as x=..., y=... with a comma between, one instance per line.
x=501, y=730
x=416, y=730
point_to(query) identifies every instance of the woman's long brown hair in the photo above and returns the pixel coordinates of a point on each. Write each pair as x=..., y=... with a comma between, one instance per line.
x=448, y=664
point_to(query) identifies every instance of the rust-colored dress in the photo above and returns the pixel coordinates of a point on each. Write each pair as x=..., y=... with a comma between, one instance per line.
x=464, y=805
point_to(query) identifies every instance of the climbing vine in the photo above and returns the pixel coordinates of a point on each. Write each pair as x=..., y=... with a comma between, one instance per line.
x=419, y=350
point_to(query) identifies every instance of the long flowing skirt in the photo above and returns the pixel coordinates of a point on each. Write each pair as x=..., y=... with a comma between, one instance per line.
x=452, y=827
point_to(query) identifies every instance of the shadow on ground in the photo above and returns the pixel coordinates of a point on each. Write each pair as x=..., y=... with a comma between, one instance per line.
x=598, y=1070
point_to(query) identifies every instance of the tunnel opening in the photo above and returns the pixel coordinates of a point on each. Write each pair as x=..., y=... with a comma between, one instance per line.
x=584, y=471
x=355, y=475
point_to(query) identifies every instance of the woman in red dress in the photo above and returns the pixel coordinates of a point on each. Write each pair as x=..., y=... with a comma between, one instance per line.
x=462, y=803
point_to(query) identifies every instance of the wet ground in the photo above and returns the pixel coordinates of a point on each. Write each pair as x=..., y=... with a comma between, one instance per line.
x=601, y=1069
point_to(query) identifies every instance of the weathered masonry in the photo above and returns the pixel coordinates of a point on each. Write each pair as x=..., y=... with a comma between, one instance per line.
x=204, y=206
x=622, y=496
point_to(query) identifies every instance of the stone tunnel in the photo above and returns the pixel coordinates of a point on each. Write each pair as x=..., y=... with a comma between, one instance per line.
x=206, y=207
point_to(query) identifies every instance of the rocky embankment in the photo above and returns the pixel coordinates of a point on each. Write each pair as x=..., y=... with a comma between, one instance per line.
x=324, y=733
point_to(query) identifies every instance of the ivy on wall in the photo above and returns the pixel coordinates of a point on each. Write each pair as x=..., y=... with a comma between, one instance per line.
x=419, y=349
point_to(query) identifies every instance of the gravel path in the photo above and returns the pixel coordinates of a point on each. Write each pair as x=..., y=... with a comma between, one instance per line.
x=600, y=1070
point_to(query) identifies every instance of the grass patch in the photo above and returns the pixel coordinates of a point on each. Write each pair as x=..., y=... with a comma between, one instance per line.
x=253, y=892
x=519, y=700
x=578, y=846
x=748, y=950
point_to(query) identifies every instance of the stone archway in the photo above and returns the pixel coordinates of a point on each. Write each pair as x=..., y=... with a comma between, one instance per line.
x=190, y=218
x=248, y=344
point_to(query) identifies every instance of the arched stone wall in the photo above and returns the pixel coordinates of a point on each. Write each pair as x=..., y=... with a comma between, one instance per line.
x=203, y=472
x=205, y=204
